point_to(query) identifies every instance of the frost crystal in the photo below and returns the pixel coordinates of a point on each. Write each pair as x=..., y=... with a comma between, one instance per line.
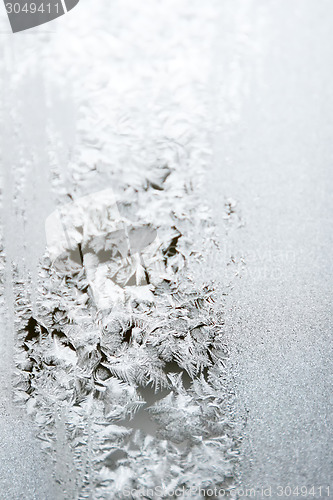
x=124, y=354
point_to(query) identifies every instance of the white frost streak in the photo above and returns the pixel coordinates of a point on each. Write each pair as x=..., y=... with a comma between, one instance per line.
x=127, y=91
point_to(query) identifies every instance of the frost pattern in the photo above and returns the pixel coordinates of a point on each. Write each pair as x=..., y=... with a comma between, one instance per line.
x=137, y=376
x=121, y=359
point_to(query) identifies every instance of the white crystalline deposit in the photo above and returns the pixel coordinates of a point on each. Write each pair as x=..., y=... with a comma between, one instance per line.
x=124, y=337
x=121, y=359
x=77, y=222
x=114, y=251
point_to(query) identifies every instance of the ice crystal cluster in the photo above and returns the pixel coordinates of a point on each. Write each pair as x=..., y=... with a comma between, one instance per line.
x=120, y=349
x=123, y=355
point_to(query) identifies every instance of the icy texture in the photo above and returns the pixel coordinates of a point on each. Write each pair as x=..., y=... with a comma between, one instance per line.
x=122, y=355
x=108, y=326
x=102, y=348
